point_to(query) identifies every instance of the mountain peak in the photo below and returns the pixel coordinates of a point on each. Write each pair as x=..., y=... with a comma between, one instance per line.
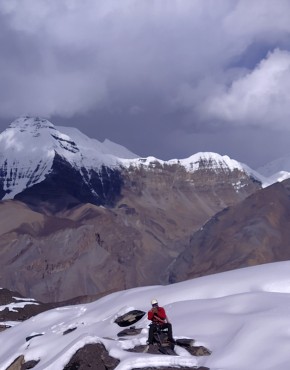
x=30, y=145
x=33, y=138
x=31, y=123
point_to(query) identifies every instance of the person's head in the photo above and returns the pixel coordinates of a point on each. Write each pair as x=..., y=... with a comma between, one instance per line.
x=154, y=303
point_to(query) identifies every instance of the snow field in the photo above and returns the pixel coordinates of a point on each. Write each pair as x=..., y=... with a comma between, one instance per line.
x=242, y=316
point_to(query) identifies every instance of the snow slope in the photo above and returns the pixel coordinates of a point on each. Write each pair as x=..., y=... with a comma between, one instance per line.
x=241, y=315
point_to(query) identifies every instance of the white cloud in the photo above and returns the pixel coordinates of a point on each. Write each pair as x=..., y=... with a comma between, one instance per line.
x=63, y=57
x=261, y=97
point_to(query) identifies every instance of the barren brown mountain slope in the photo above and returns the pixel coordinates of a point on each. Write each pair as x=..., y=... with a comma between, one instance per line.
x=94, y=250
x=252, y=232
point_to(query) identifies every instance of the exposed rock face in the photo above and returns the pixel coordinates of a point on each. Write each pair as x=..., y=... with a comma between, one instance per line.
x=89, y=250
x=169, y=193
x=17, y=364
x=67, y=186
x=252, y=232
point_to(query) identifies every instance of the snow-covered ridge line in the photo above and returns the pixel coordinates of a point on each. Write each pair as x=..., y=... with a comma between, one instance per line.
x=70, y=142
x=29, y=147
x=211, y=160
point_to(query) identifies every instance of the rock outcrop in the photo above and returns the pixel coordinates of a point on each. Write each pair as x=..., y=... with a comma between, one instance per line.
x=21, y=364
x=94, y=356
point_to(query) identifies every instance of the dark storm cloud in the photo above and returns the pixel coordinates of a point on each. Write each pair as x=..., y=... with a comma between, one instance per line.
x=160, y=69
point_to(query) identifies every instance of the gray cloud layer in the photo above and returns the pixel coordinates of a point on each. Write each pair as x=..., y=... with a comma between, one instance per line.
x=179, y=67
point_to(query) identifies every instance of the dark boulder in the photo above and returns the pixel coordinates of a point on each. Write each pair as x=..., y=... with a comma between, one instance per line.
x=184, y=342
x=131, y=331
x=168, y=349
x=92, y=356
x=69, y=331
x=129, y=318
x=29, y=365
x=33, y=336
x=199, y=351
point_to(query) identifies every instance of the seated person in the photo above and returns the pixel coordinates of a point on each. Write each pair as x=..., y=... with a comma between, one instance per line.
x=159, y=319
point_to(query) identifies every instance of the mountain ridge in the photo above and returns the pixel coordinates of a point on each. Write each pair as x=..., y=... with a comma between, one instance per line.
x=31, y=146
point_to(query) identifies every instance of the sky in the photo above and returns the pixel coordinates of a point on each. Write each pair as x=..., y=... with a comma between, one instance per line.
x=241, y=316
x=167, y=78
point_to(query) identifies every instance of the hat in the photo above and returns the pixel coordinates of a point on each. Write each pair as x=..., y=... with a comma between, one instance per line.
x=154, y=302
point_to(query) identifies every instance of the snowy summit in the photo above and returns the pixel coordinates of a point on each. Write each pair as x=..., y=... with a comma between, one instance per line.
x=29, y=145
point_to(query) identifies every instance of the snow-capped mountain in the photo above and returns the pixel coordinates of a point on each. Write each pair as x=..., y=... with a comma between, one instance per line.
x=30, y=145
x=242, y=316
x=34, y=150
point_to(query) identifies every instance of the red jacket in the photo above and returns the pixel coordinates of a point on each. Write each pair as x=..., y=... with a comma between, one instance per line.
x=159, y=317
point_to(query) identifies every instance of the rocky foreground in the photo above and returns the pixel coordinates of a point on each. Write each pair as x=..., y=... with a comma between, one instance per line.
x=95, y=356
